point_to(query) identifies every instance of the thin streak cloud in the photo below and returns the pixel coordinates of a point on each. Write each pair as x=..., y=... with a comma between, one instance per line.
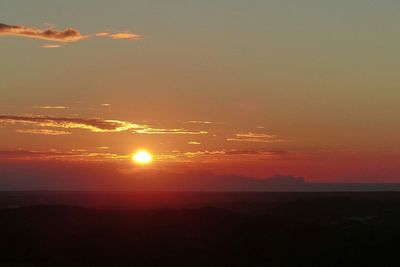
x=50, y=107
x=193, y=143
x=51, y=46
x=42, y=132
x=169, y=131
x=126, y=36
x=255, y=138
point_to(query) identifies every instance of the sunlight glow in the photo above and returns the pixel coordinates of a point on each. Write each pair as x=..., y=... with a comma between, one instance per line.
x=142, y=157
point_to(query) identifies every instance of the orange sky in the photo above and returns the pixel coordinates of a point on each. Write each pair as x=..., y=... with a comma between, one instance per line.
x=228, y=87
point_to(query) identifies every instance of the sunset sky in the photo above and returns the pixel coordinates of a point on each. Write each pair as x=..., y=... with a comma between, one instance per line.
x=306, y=88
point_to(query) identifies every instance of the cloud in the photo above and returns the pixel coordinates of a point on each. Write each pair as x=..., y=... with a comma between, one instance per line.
x=33, y=155
x=126, y=36
x=226, y=155
x=169, y=131
x=102, y=34
x=73, y=156
x=42, y=132
x=51, y=46
x=93, y=125
x=120, y=35
x=203, y=153
x=236, y=152
x=255, y=135
x=68, y=35
x=194, y=143
x=256, y=138
x=50, y=107
x=202, y=122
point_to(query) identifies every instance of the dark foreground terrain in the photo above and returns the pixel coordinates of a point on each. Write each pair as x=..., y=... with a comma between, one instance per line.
x=199, y=229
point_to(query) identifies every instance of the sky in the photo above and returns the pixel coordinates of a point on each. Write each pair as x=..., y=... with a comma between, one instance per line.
x=306, y=88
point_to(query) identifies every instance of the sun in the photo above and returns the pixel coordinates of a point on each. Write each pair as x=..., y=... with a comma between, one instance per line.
x=142, y=157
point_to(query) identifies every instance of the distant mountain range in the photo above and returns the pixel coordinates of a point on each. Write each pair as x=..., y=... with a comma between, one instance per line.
x=74, y=177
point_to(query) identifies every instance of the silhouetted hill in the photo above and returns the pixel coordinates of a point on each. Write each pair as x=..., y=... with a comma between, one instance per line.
x=198, y=237
x=324, y=229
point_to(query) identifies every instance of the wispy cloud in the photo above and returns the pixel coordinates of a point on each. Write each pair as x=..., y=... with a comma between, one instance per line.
x=73, y=155
x=120, y=35
x=169, y=131
x=28, y=154
x=102, y=34
x=50, y=46
x=69, y=35
x=42, y=132
x=199, y=122
x=126, y=36
x=50, y=107
x=256, y=137
x=203, y=153
x=94, y=125
x=232, y=154
x=193, y=143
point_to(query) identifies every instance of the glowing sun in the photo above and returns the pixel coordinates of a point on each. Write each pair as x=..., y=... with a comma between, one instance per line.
x=142, y=157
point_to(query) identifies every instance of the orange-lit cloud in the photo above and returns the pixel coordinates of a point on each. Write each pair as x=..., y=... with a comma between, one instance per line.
x=120, y=35
x=73, y=155
x=194, y=143
x=42, y=132
x=29, y=154
x=50, y=107
x=175, y=156
x=94, y=125
x=102, y=34
x=51, y=46
x=169, y=131
x=126, y=36
x=226, y=155
x=202, y=153
x=255, y=137
x=234, y=152
x=202, y=122
x=68, y=35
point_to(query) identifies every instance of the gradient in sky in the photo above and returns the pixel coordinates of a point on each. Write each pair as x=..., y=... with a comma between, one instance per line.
x=307, y=88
